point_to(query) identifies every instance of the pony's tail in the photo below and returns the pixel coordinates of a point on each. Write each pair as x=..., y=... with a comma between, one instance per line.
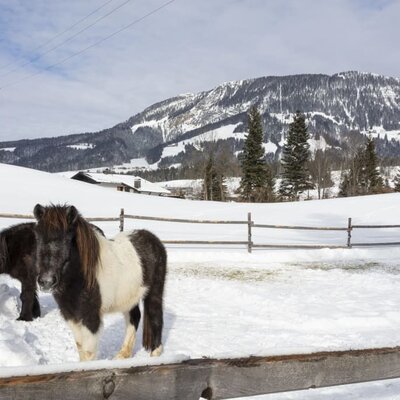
x=147, y=337
x=153, y=320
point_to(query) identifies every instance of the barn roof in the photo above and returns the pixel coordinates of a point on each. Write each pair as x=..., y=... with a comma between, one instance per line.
x=127, y=180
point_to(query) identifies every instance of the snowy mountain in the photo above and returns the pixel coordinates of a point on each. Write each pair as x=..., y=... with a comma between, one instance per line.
x=334, y=105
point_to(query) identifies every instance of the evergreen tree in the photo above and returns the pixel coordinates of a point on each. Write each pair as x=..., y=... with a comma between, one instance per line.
x=353, y=181
x=256, y=184
x=363, y=176
x=344, y=187
x=373, y=182
x=320, y=170
x=214, y=187
x=397, y=182
x=295, y=157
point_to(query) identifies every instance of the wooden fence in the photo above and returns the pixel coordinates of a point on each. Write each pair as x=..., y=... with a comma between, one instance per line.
x=211, y=379
x=251, y=225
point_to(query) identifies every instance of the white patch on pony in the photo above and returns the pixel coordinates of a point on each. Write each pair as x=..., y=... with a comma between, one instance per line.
x=157, y=352
x=86, y=341
x=120, y=275
x=129, y=341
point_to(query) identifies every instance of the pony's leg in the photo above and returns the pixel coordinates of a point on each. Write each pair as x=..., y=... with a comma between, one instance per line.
x=153, y=323
x=76, y=332
x=86, y=341
x=132, y=319
x=36, y=306
x=27, y=301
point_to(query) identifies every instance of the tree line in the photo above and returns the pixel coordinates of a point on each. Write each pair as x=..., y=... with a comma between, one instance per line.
x=299, y=170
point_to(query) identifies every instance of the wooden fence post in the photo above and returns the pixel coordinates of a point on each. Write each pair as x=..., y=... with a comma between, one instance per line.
x=249, y=223
x=121, y=220
x=349, y=229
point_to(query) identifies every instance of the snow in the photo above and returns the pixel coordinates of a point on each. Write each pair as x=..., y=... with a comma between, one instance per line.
x=379, y=131
x=222, y=301
x=319, y=144
x=225, y=132
x=10, y=149
x=130, y=180
x=82, y=146
x=270, y=147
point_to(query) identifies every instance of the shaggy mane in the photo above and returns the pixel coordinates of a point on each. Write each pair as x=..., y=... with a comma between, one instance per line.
x=58, y=218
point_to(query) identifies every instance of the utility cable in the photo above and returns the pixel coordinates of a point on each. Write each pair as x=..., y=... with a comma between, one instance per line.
x=38, y=57
x=136, y=21
x=62, y=32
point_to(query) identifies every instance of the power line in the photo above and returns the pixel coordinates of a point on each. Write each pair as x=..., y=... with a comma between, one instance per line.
x=67, y=39
x=136, y=21
x=62, y=32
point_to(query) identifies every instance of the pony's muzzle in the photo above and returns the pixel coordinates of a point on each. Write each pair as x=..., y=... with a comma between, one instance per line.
x=47, y=281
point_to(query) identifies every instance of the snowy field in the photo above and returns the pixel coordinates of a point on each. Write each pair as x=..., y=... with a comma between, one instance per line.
x=222, y=301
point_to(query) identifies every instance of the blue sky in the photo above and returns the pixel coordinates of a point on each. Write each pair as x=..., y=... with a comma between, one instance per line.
x=189, y=46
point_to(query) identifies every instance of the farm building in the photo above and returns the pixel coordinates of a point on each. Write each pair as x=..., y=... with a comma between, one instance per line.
x=122, y=183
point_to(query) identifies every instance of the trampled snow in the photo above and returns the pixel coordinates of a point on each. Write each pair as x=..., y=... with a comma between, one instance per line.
x=222, y=301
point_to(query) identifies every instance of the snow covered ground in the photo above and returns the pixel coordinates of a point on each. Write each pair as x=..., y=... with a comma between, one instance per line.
x=222, y=301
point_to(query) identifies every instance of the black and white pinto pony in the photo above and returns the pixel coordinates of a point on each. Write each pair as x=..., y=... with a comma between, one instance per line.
x=90, y=276
x=17, y=259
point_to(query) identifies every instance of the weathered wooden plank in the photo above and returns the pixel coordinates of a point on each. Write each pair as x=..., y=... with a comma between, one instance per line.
x=102, y=219
x=220, y=379
x=298, y=246
x=17, y=216
x=189, y=221
x=224, y=242
x=375, y=226
x=26, y=216
x=307, y=228
x=375, y=244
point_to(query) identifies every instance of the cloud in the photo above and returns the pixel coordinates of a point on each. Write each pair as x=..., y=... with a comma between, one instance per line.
x=189, y=46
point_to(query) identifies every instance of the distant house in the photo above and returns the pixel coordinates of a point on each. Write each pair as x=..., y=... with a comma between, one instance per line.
x=122, y=183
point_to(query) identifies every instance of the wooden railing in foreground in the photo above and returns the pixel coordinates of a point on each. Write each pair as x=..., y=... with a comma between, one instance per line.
x=251, y=225
x=209, y=378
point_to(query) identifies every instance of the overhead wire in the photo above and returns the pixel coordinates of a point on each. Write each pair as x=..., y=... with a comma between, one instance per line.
x=134, y=22
x=62, y=32
x=38, y=57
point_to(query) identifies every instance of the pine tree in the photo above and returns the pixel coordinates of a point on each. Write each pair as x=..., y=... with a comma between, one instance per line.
x=320, y=171
x=295, y=157
x=214, y=187
x=373, y=182
x=256, y=184
x=344, y=187
x=363, y=176
x=397, y=182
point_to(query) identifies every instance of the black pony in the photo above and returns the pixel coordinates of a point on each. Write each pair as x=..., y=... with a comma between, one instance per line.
x=91, y=276
x=17, y=258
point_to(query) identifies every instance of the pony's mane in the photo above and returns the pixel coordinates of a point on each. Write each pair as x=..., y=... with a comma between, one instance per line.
x=59, y=218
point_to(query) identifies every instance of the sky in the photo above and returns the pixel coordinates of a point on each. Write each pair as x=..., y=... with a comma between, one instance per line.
x=185, y=47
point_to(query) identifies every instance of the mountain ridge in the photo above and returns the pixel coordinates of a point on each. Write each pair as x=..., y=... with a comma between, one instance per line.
x=333, y=104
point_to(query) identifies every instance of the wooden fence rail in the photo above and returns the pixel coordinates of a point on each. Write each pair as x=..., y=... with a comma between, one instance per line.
x=209, y=378
x=250, y=226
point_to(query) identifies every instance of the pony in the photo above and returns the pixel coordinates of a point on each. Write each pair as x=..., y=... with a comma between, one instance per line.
x=17, y=259
x=90, y=276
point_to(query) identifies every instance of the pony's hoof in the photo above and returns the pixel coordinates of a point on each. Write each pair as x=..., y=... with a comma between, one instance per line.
x=122, y=356
x=157, y=352
x=25, y=318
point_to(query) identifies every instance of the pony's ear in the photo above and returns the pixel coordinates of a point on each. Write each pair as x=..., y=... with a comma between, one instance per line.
x=72, y=215
x=38, y=211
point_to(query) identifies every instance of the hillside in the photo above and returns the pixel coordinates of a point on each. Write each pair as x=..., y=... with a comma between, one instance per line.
x=22, y=188
x=306, y=300
x=334, y=105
